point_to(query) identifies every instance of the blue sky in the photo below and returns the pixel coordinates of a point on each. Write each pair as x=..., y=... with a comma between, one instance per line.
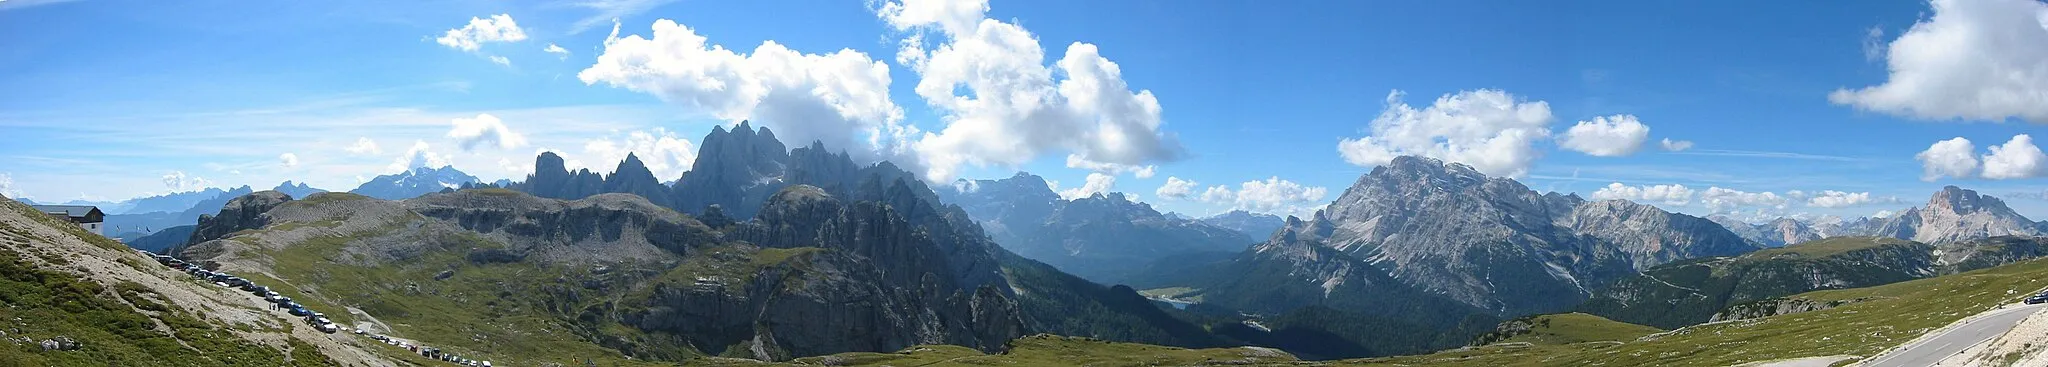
x=115, y=99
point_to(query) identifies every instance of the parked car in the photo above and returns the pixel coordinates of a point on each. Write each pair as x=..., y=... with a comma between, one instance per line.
x=327, y=328
x=299, y=312
x=2037, y=299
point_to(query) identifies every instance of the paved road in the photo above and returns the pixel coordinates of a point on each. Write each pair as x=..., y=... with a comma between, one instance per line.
x=1932, y=350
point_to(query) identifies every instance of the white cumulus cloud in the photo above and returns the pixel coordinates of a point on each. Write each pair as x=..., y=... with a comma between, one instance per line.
x=1721, y=200
x=1145, y=171
x=1608, y=136
x=557, y=50
x=1176, y=189
x=2017, y=158
x=484, y=129
x=1098, y=183
x=839, y=98
x=497, y=28
x=1838, y=199
x=1272, y=195
x=1003, y=105
x=178, y=181
x=364, y=145
x=288, y=160
x=419, y=156
x=1953, y=158
x=1971, y=60
x=1488, y=129
x=1665, y=194
x=665, y=154
x=7, y=186
x=1675, y=145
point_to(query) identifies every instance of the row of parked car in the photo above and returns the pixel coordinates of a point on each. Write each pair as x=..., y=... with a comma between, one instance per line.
x=2038, y=298
x=429, y=352
x=315, y=319
x=277, y=301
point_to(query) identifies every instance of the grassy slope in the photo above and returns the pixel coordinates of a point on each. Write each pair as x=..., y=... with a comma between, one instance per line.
x=521, y=313
x=1578, y=328
x=1893, y=314
x=491, y=311
x=1689, y=292
x=126, y=325
x=1038, y=350
x=1825, y=247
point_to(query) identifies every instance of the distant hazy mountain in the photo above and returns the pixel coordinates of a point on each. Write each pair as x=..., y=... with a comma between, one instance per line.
x=1953, y=214
x=137, y=225
x=296, y=190
x=413, y=183
x=1692, y=292
x=1254, y=225
x=172, y=202
x=1105, y=237
x=1008, y=208
x=1776, y=233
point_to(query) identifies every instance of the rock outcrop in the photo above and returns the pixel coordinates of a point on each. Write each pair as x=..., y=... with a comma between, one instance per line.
x=242, y=213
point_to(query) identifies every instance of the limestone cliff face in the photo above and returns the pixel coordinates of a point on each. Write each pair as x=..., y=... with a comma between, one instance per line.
x=735, y=170
x=1956, y=214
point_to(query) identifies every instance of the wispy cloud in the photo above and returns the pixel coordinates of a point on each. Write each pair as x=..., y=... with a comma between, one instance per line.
x=610, y=9
x=1765, y=154
x=6, y=5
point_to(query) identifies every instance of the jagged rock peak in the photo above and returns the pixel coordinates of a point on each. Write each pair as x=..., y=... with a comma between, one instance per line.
x=1429, y=171
x=549, y=162
x=1963, y=201
x=632, y=167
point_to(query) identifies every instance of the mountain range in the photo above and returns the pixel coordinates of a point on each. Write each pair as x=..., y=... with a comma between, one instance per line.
x=1952, y=214
x=838, y=257
x=765, y=252
x=1100, y=237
